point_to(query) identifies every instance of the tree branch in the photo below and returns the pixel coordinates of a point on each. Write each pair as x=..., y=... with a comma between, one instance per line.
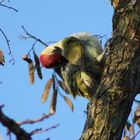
x=6, y=6
x=9, y=7
x=45, y=116
x=13, y=127
x=31, y=36
x=38, y=131
x=9, y=48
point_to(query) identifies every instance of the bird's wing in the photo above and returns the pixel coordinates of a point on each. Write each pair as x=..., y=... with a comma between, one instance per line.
x=73, y=50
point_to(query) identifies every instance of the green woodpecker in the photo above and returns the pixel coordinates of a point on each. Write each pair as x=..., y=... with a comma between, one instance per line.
x=78, y=60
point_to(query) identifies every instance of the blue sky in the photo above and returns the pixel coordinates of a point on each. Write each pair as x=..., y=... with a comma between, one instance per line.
x=48, y=20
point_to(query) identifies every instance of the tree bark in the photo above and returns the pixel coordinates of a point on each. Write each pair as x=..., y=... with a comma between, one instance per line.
x=120, y=83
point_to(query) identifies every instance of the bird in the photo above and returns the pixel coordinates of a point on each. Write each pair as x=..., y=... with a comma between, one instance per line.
x=78, y=59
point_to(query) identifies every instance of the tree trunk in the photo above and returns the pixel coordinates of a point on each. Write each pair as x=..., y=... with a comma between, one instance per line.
x=120, y=83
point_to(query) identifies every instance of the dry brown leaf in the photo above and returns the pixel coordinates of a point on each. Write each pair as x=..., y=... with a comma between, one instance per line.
x=115, y=3
x=53, y=101
x=138, y=122
x=31, y=72
x=136, y=118
x=70, y=104
x=30, y=68
x=1, y=58
x=37, y=65
x=137, y=111
x=63, y=86
x=125, y=138
x=46, y=90
x=54, y=84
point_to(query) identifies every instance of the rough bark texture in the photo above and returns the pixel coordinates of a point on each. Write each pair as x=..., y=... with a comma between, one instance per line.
x=120, y=81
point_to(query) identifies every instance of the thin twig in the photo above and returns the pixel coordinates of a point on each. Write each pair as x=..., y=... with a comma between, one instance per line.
x=6, y=6
x=37, y=39
x=135, y=135
x=9, y=48
x=2, y=1
x=37, y=131
x=22, y=37
x=45, y=116
x=32, y=48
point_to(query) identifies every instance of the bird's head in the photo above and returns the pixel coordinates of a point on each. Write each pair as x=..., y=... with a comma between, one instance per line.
x=51, y=56
x=68, y=50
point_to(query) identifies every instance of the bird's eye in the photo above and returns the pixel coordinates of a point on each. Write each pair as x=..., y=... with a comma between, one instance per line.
x=57, y=50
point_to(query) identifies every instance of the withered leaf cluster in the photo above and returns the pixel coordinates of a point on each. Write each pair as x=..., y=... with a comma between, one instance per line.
x=53, y=82
x=32, y=67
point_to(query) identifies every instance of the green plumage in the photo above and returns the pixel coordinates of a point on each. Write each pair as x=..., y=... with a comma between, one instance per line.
x=83, y=71
x=73, y=50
